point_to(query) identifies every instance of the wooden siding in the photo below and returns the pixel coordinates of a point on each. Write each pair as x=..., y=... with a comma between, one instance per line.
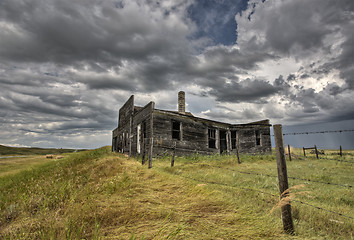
x=126, y=111
x=190, y=139
x=194, y=134
x=143, y=116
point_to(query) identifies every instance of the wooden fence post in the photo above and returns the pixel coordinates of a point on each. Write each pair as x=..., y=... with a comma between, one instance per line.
x=283, y=178
x=316, y=152
x=304, y=152
x=340, y=150
x=289, y=152
x=238, y=156
x=173, y=155
x=150, y=152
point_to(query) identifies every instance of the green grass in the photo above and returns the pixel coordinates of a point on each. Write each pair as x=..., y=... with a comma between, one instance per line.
x=4, y=150
x=102, y=195
x=17, y=164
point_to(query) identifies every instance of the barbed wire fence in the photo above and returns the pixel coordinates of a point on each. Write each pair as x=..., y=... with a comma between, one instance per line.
x=317, y=132
x=319, y=154
x=260, y=191
x=170, y=150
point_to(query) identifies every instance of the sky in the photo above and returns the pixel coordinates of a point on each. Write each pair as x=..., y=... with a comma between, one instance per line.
x=67, y=66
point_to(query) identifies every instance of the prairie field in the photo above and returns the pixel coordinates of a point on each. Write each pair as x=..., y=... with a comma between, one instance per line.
x=98, y=194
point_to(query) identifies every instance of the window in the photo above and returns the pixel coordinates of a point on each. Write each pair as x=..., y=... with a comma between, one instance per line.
x=233, y=139
x=212, y=138
x=258, y=138
x=176, y=130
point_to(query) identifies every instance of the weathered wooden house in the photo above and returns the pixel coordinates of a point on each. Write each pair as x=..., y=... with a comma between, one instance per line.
x=142, y=129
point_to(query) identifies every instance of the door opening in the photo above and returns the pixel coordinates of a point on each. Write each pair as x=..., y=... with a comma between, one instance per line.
x=223, y=142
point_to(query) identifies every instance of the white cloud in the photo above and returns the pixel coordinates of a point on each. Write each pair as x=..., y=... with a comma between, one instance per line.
x=67, y=66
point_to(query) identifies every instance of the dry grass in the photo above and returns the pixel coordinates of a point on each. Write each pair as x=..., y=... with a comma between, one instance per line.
x=102, y=195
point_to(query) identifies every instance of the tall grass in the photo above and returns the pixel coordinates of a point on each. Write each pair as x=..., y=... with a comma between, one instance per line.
x=258, y=189
x=98, y=194
x=45, y=194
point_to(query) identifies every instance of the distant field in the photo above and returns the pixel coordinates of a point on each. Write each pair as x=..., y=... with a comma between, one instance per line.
x=17, y=164
x=15, y=159
x=4, y=150
x=98, y=194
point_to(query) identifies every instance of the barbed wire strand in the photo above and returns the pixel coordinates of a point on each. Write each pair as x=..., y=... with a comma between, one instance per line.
x=318, y=132
x=268, y=175
x=340, y=214
x=335, y=160
x=257, y=190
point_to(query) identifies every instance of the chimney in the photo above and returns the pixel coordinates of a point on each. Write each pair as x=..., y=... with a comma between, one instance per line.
x=181, y=102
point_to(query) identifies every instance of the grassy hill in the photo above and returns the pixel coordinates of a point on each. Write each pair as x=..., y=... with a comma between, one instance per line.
x=102, y=195
x=4, y=150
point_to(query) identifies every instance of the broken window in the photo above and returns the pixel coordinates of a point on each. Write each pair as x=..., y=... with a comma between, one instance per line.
x=176, y=130
x=212, y=138
x=233, y=139
x=258, y=138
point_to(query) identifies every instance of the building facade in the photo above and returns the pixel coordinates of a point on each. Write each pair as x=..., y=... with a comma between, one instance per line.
x=143, y=129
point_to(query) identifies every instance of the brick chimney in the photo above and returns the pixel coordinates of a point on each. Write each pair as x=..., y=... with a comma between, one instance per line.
x=181, y=102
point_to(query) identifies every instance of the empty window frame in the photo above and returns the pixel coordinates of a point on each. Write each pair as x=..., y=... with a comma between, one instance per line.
x=212, y=138
x=233, y=139
x=176, y=130
x=258, y=137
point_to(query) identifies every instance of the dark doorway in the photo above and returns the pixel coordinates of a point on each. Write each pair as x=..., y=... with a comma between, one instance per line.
x=223, y=144
x=115, y=144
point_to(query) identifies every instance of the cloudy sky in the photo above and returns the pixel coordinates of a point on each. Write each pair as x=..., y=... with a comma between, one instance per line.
x=67, y=66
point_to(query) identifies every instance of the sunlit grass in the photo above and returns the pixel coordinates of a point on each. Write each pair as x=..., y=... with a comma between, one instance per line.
x=98, y=194
x=12, y=165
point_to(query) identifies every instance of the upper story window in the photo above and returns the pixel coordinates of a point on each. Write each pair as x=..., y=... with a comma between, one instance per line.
x=176, y=130
x=212, y=138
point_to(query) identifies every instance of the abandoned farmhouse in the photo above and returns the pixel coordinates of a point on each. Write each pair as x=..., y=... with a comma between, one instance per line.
x=146, y=128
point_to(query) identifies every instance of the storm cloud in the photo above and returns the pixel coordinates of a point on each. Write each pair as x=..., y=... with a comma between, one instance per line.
x=66, y=67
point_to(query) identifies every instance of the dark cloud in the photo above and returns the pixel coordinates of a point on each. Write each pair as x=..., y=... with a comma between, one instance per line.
x=333, y=89
x=304, y=76
x=67, y=66
x=244, y=91
x=281, y=84
x=320, y=30
x=291, y=77
x=229, y=58
x=67, y=32
x=290, y=26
